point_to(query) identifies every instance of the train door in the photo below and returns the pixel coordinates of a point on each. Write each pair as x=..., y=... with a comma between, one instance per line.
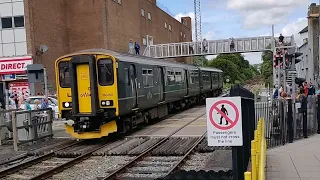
x=134, y=85
x=161, y=83
x=187, y=82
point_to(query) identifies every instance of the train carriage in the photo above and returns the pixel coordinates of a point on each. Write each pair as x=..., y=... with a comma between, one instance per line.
x=102, y=92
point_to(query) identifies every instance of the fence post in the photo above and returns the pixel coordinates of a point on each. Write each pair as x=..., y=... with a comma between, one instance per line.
x=290, y=121
x=304, y=108
x=50, y=116
x=14, y=131
x=318, y=114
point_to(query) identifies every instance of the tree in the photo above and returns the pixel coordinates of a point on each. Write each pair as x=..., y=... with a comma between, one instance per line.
x=235, y=67
x=198, y=60
x=229, y=69
x=267, y=67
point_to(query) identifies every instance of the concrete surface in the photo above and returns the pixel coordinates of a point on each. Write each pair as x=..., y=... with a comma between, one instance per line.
x=296, y=161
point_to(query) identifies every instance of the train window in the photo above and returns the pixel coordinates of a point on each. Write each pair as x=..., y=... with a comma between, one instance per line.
x=170, y=77
x=64, y=74
x=147, y=75
x=178, y=77
x=126, y=76
x=196, y=77
x=105, y=72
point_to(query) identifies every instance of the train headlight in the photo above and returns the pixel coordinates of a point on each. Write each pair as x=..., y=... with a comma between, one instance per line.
x=67, y=104
x=107, y=103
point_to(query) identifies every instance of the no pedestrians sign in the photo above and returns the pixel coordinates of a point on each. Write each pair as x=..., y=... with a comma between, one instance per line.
x=224, y=121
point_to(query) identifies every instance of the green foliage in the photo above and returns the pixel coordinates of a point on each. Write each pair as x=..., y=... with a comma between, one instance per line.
x=234, y=67
x=198, y=60
x=267, y=67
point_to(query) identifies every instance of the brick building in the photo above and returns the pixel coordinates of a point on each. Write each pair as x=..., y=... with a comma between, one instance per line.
x=66, y=26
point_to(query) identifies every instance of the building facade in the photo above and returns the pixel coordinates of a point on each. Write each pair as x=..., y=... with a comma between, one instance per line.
x=13, y=47
x=66, y=26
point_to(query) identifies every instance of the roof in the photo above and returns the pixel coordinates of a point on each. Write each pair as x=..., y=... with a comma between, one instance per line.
x=304, y=30
x=144, y=59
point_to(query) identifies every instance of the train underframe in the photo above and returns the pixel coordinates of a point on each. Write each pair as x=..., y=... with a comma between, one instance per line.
x=125, y=124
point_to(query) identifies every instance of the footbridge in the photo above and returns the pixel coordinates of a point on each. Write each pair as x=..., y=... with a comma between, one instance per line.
x=214, y=47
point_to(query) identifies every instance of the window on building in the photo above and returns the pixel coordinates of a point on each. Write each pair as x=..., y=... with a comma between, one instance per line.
x=118, y=1
x=147, y=76
x=6, y=22
x=19, y=21
x=149, y=16
x=142, y=12
x=105, y=72
x=165, y=25
x=144, y=41
x=170, y=27
x=181, y=34
x=184, y=36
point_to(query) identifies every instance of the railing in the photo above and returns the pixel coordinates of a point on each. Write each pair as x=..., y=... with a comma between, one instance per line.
x=237, y=45
x=28, y=126
x=258, y=154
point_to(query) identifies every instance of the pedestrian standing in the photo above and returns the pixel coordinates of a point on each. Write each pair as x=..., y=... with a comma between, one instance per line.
x=137, y=48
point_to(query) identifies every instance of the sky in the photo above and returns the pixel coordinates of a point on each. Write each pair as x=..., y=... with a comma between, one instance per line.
x=223, y=19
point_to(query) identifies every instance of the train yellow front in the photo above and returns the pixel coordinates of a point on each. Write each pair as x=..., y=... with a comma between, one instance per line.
x=102, y=92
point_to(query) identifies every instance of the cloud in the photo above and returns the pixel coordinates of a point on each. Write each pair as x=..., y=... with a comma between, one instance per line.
x=264, y=12
x=294, y=28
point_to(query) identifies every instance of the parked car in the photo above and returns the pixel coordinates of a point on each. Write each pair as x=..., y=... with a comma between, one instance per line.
x=53, y=103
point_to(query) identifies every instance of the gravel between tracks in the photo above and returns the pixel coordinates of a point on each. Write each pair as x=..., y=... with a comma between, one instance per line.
x=216, y=161
x=92, y=168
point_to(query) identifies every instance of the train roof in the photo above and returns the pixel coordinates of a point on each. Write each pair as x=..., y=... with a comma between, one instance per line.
x=210, y=69
x=145, y=60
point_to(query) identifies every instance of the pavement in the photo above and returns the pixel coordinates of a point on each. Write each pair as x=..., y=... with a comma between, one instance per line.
x=299, y=160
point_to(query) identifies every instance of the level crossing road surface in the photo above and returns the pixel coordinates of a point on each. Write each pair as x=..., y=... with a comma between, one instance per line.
x=169, y=125
x=299, y=160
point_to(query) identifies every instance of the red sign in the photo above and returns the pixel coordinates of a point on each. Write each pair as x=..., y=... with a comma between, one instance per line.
x=14, y=65
x=19, y=88
x=231, y=122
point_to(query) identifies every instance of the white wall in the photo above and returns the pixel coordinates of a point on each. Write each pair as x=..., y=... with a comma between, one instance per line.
x=12, y=30
x=305, y=68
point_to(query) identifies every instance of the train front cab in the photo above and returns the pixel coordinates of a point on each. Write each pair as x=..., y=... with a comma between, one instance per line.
x=94, y=96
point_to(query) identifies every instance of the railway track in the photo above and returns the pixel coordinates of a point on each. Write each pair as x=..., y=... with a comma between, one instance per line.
x=164, y=156
x=129, y=158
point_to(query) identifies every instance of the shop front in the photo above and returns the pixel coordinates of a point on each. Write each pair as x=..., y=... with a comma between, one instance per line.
x=13, y=76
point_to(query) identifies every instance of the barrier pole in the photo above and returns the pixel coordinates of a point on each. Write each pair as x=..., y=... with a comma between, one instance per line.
x=247, y=175
x=14, y=131
x=253, y=160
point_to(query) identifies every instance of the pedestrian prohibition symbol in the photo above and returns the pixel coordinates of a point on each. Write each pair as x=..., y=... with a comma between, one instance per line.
x=224, y=121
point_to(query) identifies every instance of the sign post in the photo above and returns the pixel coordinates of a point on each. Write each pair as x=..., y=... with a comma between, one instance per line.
x=224, y=121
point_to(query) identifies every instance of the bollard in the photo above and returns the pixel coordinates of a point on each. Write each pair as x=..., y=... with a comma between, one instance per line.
x=247, y=175
x=254, y=160
x=290, y=121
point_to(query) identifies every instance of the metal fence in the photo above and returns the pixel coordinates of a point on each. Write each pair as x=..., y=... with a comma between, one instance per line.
x=27, y=126
x=287, y=121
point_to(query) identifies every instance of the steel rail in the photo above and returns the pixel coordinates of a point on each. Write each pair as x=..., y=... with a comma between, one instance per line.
x=145, y=152
x=26, y=164
x=182, y=160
